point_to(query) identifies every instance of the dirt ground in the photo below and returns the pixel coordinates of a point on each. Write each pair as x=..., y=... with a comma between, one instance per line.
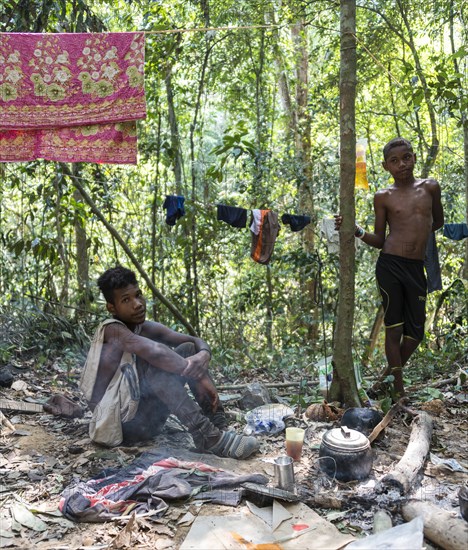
x=48, y=453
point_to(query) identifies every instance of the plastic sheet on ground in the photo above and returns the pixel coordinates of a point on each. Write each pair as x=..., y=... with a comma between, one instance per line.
x=226, y=532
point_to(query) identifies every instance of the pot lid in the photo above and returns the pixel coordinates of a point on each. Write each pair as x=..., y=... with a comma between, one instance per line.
x=344, y=439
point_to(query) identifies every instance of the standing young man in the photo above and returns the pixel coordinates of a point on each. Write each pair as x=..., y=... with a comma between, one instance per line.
x=136, y=372
x=411, y=208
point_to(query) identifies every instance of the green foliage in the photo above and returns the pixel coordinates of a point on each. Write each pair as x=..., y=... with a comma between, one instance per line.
x=245, y=154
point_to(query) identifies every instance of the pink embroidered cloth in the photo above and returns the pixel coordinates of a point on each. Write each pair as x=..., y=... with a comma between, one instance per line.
x=71, y=97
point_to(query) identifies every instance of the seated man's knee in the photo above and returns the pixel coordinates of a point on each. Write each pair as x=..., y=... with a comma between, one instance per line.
x=187, y=349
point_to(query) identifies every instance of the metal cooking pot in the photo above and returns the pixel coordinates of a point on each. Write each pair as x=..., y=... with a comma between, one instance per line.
x=345, y=454
x=363, y=420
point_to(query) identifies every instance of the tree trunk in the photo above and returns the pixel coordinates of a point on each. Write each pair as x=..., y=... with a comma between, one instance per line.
x=174, y=127
x=374, y=335
x=440, y=526
x=269, y=309
x=81, y=243
x=154, y=208
x=403, y=475
x=61, y=247
x=344, y=382
x=177, y=165
x=193, y=219
x=304, y=167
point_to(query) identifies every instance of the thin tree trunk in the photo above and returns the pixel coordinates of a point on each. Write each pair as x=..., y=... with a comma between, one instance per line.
x=392, y=99
x=154, y=207
x=61, y=247
x=283, y=82
x=344, y=382
x=174, y=127
x=82, y=259
x=304, y=167
x=269, y=310
x=193, y=222
x=177, y=164
x=433, y=148
x=374, y=334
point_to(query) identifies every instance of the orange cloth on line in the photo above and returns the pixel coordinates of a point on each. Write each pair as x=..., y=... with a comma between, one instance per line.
x=265, y=229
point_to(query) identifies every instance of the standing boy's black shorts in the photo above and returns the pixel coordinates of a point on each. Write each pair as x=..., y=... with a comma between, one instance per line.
x=403, y=287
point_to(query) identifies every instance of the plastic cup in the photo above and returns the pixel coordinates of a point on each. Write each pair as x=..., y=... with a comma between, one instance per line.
x=284, y=473
x=294, y=442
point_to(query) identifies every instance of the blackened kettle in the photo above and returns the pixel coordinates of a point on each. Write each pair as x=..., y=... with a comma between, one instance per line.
x=345, y=454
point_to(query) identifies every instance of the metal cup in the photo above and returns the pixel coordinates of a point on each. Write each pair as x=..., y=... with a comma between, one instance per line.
x=284, y=473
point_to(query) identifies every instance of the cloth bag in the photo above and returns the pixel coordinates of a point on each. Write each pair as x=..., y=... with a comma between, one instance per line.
x=120, y=402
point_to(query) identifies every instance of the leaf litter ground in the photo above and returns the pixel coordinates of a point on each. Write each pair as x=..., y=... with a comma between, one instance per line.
x=48, y=453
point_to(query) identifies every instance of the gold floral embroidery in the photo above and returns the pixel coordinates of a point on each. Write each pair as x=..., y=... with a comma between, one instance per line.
x=99, y=70
x=51, y=76
x=11, y=74
x=136, y=70
x=127, y=128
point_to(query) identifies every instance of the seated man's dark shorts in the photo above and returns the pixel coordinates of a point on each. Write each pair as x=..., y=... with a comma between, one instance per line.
x=403, y=287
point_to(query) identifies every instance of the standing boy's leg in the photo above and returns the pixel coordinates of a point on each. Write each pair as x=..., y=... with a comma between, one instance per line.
x=393, y=338
x=389, y=273
x=408, y=347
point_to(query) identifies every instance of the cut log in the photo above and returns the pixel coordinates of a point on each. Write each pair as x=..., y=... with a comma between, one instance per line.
x=20, y=406
x=440, y=526
x=404, y=473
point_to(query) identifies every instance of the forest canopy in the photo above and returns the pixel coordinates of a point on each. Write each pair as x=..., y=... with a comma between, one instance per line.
x=242, y=110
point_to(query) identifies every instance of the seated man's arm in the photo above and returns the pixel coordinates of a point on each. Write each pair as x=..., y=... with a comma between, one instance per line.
x=197, y=364
x=158, y=354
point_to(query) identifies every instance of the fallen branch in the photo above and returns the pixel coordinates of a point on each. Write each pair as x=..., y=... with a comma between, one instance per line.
x=437, y=384
x=440, y=526
x=229, y=387
x=404, y=473
x=387, y=419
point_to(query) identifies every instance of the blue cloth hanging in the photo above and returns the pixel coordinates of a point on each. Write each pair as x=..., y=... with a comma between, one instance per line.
x=174, y=204
x=456, y=231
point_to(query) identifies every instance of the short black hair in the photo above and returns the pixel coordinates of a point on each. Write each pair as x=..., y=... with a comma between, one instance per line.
x=396, y=142
x=114, y=278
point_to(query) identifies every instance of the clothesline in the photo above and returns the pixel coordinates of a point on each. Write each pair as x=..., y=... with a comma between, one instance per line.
x=103, y=182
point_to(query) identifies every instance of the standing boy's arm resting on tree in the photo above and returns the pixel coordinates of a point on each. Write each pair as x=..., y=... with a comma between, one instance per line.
x=377, y=238
x=437, y=209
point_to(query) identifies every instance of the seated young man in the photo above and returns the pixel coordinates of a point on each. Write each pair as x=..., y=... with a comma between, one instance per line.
x=164, y=360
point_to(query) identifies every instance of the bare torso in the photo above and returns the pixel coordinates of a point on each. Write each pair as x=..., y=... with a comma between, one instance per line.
x=409, y=216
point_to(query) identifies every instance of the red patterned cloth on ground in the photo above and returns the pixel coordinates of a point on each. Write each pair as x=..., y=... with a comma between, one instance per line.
x=71, y=97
